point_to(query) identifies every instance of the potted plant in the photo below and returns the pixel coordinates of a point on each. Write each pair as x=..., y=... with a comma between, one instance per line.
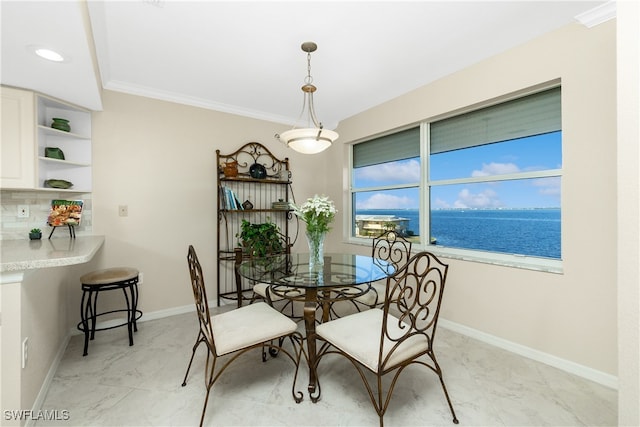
x=260, y=240
x=35, y=234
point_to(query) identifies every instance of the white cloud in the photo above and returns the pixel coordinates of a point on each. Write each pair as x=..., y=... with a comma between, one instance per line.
x=386, y=201
x=496, y=169
x=485, y=199
x=548, y=186
x=391, y=172
x=442, y=204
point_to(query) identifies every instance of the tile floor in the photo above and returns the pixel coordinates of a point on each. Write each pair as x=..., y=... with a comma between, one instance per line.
x=118, y=385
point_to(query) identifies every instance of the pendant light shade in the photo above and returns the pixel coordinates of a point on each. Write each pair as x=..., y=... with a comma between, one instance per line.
x=308, y=140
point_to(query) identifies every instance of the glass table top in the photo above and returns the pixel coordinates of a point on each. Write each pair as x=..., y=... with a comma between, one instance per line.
x=294, y=270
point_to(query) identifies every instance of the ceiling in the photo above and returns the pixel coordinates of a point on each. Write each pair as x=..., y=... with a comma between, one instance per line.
x=244, y=57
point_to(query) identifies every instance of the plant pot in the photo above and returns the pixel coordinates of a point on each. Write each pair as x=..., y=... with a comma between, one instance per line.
x=230, y=169
x=35, y=236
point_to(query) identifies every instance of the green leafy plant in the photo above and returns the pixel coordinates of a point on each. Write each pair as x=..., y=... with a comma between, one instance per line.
x=260, y=240
x=35, y=231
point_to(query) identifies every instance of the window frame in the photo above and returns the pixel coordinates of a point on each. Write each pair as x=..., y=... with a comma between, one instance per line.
x=424, y=189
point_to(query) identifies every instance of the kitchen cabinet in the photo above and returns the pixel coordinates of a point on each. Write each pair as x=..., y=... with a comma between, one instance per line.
x=27, y=133
x=18, y=136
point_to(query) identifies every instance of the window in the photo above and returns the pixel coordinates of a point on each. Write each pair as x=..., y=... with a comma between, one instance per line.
x=386, y=185
x=490, y=180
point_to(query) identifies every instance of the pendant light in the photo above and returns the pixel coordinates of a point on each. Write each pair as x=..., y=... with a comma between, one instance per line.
x=309, y=140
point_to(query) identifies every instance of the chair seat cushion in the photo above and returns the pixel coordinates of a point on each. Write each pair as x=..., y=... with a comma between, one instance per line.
x=375, y=295
x=109, y=275
x=247, y=326
x=359, y=334
x=260, y=288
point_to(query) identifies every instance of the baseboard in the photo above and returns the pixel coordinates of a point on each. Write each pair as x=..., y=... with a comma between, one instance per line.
x=591, y=374
x=153, y=315
x=160, y=314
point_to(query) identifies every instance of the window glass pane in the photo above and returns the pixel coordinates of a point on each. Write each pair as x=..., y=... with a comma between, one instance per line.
x=516, y=217
x=390, y=173
x=376, y=211
x=534, y=153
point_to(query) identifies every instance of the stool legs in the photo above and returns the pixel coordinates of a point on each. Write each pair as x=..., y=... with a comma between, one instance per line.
x=134, y=303
x=130, y=313
x=85, y=309
x=89, y=310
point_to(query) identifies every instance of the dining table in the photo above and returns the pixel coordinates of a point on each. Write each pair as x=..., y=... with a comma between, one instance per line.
x=341, y=276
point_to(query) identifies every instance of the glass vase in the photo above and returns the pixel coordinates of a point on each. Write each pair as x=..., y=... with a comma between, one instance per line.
x=316, y=248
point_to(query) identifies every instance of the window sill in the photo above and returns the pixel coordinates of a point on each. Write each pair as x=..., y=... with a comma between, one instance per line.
x=546, y=265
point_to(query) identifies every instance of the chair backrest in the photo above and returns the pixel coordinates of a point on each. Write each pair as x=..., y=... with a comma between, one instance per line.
x=392, y=247
x=200, y=297
x=241, y=254
x=414, y=294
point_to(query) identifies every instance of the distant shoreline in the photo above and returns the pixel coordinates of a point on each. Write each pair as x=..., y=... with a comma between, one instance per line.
x=457, y=209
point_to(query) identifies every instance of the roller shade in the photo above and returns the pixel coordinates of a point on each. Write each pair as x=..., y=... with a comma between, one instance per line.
x=527, y=116
x=397, y=146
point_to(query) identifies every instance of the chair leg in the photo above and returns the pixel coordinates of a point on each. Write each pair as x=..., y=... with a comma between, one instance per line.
x=210, y=380
x=438, y=371
x=204, y=407
x=444, y=388
x=193, y=353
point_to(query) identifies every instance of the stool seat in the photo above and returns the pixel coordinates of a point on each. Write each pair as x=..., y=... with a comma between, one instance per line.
x=109, y=276
x=108, y=279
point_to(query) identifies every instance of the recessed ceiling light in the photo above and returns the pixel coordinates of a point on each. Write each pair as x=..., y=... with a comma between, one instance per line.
x=49, y=54
x=46, y=53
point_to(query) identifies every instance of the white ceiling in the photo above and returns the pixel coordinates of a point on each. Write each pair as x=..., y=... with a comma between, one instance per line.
x=245, y=58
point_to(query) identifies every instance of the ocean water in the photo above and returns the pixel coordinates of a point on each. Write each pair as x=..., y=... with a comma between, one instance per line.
x=534, y=232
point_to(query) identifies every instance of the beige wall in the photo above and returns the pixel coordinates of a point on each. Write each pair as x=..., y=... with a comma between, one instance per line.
x=159, y=159
x=572, y=315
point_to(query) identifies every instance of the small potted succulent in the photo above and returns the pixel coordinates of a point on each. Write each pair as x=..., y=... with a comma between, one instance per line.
x=35, y=234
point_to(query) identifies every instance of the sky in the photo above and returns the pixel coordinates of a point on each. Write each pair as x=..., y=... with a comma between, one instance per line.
x=541, y=152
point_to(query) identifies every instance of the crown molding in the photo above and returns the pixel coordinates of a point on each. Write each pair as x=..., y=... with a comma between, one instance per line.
x=147, y=92
x=597, y=15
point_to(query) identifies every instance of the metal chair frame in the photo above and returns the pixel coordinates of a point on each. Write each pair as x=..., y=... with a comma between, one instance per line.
x=388, y=246
x=287, y=307
x=206, y=337
x=410, y=312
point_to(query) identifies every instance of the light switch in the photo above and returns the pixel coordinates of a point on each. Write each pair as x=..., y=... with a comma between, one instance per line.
x=123, y=210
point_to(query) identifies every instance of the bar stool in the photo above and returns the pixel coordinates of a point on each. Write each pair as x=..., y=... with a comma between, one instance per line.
x=109, y=279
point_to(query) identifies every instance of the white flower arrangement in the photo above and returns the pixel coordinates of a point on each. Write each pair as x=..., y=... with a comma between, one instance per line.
x=317, y=212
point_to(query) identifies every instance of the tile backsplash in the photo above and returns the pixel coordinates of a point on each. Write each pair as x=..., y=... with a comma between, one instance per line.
x=39, y=204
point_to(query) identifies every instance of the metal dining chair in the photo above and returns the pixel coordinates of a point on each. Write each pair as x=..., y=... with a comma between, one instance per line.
x=388, y=246
x=238, y=331
x=262, y=291
x=400, y=334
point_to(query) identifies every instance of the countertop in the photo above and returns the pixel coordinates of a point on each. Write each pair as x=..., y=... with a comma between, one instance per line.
x=19, y=255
